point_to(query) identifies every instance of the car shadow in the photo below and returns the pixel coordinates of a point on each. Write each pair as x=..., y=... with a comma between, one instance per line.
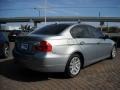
x=10, y=70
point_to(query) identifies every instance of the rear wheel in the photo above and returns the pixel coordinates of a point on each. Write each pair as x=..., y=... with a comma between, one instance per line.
x=73, y=66
x=5, y=50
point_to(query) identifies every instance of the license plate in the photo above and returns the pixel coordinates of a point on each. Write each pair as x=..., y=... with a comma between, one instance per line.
x=24, y=46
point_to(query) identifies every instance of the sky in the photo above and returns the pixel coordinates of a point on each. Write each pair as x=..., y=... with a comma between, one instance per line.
x=20, y=8
x=26, y=8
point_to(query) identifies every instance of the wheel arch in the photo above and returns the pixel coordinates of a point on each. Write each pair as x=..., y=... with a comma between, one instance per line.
x=81, y=57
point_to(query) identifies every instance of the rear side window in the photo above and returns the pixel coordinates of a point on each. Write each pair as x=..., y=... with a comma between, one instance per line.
x=52, y=29
x=80, y=31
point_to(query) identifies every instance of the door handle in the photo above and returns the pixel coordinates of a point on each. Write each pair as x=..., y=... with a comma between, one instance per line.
x=82, y=43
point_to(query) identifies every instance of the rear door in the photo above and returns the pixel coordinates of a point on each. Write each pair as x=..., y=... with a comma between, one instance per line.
x=88, y=45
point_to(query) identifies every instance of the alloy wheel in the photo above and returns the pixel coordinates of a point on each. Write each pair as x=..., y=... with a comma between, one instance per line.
x=75, y=65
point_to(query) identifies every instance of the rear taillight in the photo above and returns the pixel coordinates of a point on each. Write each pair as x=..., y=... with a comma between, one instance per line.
x=43, y=46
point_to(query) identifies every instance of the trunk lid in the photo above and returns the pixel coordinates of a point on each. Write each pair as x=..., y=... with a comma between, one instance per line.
x=25, y=44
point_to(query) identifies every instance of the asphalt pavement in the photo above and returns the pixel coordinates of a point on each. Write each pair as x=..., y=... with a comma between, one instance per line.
x=103, y=75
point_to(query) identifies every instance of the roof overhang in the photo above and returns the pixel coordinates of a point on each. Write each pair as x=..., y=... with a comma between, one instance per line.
x=59, y=18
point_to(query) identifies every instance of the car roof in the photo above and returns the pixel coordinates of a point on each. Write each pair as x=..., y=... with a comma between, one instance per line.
x=73, y=24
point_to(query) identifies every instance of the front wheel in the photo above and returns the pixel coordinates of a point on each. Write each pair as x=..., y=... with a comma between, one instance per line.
x=113, y=53
x=73, y=66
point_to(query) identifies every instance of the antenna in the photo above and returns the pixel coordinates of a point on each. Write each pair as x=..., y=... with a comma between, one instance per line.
x=45, y=10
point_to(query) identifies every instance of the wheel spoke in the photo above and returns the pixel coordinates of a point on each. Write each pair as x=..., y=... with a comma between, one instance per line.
x=78, y=65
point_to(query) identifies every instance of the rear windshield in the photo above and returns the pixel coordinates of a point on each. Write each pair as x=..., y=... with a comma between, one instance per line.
x=52, y=29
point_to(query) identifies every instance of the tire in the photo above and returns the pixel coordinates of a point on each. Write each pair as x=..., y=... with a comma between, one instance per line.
x=113, y=53
x=73, y=66
x=6, y=50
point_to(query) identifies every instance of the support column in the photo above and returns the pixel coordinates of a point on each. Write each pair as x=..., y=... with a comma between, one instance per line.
x=35, y=24
x=101, y=24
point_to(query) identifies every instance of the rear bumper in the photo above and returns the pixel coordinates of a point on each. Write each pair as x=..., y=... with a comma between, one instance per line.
x=44, y=62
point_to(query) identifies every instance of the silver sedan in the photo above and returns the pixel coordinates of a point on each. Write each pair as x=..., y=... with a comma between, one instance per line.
x=63, y=47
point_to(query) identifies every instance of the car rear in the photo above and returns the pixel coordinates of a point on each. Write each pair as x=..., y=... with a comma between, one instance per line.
x=42, y=50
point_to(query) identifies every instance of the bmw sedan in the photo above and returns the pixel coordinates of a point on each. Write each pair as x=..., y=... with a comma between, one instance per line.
x=63, y=47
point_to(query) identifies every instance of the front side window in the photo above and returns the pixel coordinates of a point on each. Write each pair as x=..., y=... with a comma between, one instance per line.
x=95, y=33
x=99, y=33
x=79, y=31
